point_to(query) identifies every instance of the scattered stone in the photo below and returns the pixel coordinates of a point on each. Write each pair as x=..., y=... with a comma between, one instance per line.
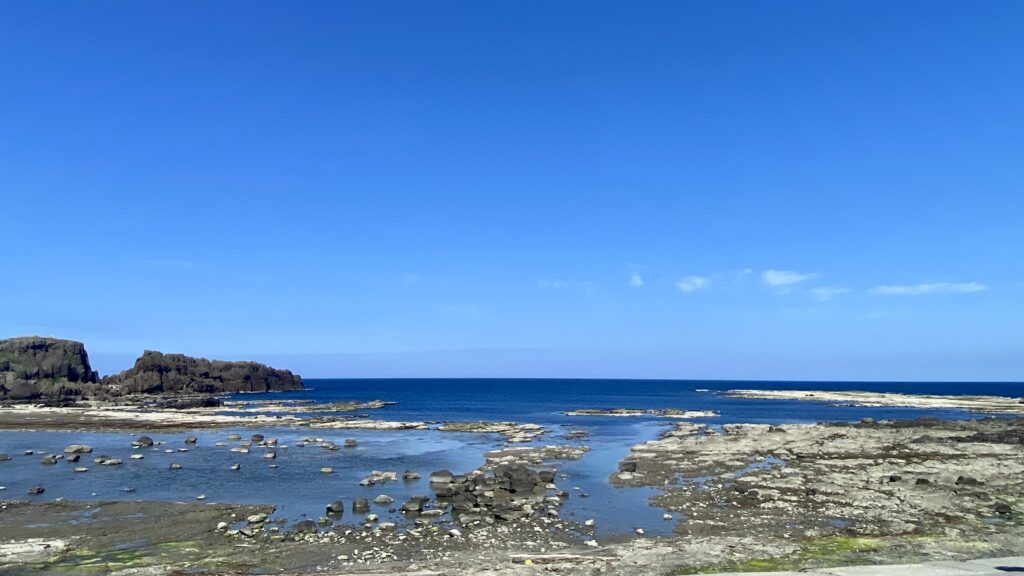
x=337, y=508
x=383, y=499
x=349, y=443
x=360, y=506
x=78, y=449
x=174, y=466
x=326, y=470
x=35, y=490
x=142, y=442
x=191, y=440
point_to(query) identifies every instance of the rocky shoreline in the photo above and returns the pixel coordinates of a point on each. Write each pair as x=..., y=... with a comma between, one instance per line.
x=984, y=404
x=744, y=496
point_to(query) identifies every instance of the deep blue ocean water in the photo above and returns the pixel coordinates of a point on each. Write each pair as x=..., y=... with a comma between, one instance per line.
x=298, y=488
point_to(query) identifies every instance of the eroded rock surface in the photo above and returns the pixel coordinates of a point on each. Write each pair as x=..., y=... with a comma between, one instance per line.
x=155, y=372
x=870, y=478
x=35, y=367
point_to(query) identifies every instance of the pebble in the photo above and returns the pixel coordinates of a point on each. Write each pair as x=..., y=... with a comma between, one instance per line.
x=640, y=531
x=174, y=466
x=588, y=522
x=591, y=543
x=326, y=470
x=666, y=516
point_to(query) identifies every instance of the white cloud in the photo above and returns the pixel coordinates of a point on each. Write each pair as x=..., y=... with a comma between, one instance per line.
x=693, y=283
x=636, y=280
x=826, y=293
x=784, y=278
x=935, y=288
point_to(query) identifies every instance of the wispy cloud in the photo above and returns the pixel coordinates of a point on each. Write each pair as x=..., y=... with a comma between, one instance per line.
x=826, y=293
x=693, y=283
x=934, y=288
x=544, y=283
x=636, y=280
x=784, y=278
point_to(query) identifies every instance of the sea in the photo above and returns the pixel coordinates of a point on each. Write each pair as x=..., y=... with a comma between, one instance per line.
x=294, y=483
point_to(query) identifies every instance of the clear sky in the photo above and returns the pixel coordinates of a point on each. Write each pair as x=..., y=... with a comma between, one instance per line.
x=717, y=189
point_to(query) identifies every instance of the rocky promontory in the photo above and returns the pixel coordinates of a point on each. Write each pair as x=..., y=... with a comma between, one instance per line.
x=156, y=373
x=36, y=368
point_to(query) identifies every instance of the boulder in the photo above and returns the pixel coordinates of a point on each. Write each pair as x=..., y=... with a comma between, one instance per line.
x=441, y=477
x=142, y=442
x=304, y=527
x=337, y=508
x=360, y=506
x=78, y=449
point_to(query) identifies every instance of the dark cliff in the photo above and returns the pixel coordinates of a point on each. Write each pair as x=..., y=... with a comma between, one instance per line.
x=156, y=373
x=33, y=368
x=36, y=367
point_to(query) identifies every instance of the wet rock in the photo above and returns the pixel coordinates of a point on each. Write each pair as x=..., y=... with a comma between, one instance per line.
x=360, y=506
x=78, y=449
x=270, y=455
x=337, y=508
x=304, y=527
x=80, y=469
x=174, y=466
x=234, y=436
x=441, y=477
x=627, y=466
x=236, y=467
x=191, y=440
x=1002, y=508
x=72, y=458
x=410, y=475
x=967, y=481
x=922, y=482
x=142, y=442
x=351, y=443
x=49, y=460
x=137, y=457
x=5, y=457
x=257, y=438
x=110, y=462
x=895, y=478
x=35, y=490
x=326, y=470
x=383, y=499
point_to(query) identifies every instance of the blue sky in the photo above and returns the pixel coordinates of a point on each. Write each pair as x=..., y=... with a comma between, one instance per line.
x=778, y=190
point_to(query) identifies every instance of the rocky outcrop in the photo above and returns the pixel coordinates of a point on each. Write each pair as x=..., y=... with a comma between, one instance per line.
x=38, y=369
x=34, y=367
x=156, y=373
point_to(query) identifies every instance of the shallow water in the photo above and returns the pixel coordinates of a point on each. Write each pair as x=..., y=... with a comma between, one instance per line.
x=297, y=487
